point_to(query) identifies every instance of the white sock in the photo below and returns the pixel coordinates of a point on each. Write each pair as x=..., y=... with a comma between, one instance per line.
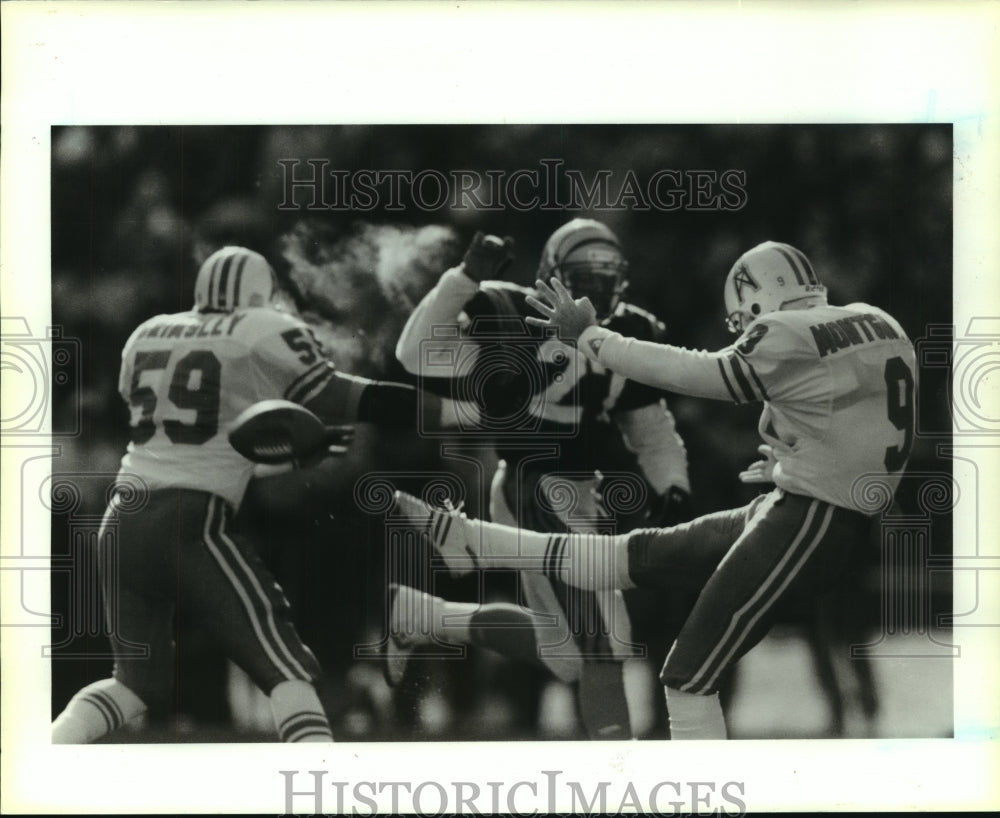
x=96, y=710
x=298, y=715
x=694, y=716
x=584, y=560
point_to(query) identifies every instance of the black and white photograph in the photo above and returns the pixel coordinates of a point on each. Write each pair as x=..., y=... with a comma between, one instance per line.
x=486, y=459
x=396, y=300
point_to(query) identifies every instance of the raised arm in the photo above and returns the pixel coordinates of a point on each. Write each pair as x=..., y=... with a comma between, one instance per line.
x=441, y=308
x=438, y=315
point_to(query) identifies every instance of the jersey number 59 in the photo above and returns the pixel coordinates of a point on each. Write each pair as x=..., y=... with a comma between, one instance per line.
x=195, y=385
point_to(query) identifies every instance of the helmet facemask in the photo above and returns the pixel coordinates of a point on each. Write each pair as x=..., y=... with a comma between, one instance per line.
x=603, y=282
x=738, y=320
x=585, y=256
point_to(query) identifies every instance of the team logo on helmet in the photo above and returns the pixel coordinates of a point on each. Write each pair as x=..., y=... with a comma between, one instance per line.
x=742, y=279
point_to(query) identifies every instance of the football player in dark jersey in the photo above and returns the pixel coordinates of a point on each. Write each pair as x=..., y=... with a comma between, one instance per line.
x=567, y=433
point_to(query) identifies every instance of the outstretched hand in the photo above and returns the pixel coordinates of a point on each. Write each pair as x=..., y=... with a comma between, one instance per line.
x=570, y=317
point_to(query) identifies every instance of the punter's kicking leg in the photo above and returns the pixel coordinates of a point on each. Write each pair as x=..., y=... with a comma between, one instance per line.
x=745, y=561
x=682, y=556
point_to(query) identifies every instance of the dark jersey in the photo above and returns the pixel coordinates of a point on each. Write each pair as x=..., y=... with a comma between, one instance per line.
x=526, y=379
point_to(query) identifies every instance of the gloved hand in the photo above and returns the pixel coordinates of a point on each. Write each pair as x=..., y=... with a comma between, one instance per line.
x=487, y=257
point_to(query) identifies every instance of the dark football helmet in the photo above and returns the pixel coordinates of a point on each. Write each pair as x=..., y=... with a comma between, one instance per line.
x=587, y=258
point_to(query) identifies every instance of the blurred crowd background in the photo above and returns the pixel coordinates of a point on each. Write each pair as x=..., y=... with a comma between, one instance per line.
x=135, y=210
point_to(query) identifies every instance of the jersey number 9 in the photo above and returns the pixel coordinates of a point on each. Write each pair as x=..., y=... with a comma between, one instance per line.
x=899, y=406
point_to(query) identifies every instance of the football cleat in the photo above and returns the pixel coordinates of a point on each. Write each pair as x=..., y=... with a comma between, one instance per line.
x=234, y=277
x=765, y=279
x=447, y=531
x=586, y=257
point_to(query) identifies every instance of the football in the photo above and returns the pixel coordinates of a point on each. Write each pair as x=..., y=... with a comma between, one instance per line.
x=277, y=431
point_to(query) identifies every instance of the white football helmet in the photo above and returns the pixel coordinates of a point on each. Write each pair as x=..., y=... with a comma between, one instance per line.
x=586, y=257
x=767, y=278
x=234, y=277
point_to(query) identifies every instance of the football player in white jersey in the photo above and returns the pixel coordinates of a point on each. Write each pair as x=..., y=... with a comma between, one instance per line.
x=837, y=385
x=185, y=378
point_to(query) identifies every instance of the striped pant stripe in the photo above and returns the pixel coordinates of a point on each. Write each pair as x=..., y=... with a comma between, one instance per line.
x=244, y=581
x=262, y=596
x=809, y=536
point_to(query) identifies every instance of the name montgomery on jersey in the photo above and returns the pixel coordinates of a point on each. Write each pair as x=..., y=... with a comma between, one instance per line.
x=833, y=336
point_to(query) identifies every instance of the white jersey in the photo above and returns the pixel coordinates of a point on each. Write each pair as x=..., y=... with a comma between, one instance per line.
x=187, y=376
x=837, y=385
